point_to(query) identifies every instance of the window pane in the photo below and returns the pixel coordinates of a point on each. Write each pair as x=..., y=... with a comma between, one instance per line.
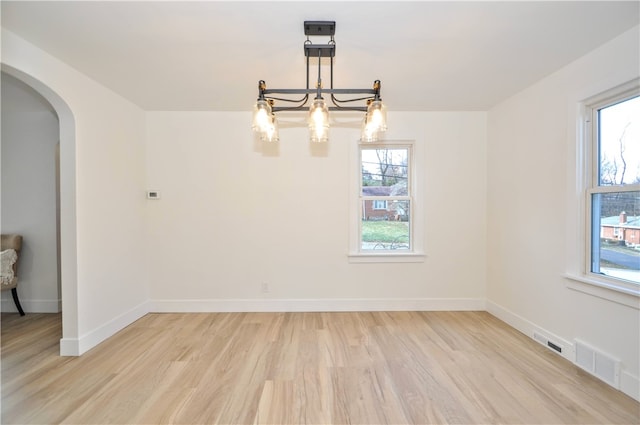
x=386, y=229
x=385, y=172
x=619, y=143
x=616, y=235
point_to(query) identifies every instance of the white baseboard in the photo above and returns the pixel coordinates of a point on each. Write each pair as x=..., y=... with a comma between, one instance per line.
x=69, y=347
x=78, y=346
x=529, y=328
x=32, y=306
x=304, y=305
x=629, y=384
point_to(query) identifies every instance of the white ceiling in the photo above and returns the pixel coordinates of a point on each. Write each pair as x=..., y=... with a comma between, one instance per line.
x=209, y=55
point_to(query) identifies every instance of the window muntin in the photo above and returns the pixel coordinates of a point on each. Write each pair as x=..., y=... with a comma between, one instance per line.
x=614, y=194
x=385, y=198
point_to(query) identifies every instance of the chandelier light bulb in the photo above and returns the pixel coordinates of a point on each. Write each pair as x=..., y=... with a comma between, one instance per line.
x=262, y=116
x=368, y=132
x=377, y=116
x=271, y=133
x=319, y=121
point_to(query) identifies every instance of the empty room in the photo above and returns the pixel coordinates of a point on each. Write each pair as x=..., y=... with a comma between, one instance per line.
x=305, y=212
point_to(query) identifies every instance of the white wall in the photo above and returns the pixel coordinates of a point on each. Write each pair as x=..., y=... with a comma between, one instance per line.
x=533, y=211
x=104, y=285
x=30, y=133
x=232, y=216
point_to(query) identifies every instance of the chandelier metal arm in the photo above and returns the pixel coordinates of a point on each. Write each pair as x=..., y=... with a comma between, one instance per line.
x=308, y=91
x=302, y=101
x=331, y=108
x=267, y=94
x=336, y=100
x=348, y=108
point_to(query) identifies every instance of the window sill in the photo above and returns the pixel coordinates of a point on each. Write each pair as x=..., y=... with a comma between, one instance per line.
x=386, y=257
x=610, y=291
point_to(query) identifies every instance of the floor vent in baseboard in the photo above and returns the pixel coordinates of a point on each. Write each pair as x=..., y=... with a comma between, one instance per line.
x=598, y=364
x=545, y=341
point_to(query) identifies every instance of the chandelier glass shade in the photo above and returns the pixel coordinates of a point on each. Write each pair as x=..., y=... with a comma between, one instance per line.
x=264, y=121
x=319, y=121
x=265, y=109
x=375, y=122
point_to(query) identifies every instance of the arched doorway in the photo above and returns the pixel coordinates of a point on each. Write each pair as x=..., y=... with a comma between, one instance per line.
x=30, y=136
x=68, y=248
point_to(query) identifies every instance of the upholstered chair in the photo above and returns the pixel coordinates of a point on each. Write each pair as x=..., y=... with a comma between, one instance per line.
x=11, y=245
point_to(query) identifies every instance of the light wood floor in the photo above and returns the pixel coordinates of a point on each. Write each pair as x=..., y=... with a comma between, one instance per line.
x=300, y=368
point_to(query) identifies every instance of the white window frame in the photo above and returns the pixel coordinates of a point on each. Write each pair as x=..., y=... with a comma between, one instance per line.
x=416, y=224
x=582, y=278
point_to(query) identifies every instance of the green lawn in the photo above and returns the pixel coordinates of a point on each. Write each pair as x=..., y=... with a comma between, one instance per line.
x=385, y=231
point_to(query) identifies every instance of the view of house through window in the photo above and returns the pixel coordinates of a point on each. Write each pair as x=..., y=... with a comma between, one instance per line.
x=615, y=192
x=385, y=198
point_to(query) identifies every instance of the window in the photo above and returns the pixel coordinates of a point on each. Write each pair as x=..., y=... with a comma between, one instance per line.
x=385, y=198
x=613, y=190
x=386, y=211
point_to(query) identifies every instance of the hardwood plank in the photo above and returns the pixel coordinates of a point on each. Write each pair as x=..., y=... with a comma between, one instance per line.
x=299, y=368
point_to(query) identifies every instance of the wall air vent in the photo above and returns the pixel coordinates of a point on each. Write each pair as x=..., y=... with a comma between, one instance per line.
x=598, y=364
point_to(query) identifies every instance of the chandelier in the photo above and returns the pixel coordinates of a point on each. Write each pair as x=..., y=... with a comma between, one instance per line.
x=264, y=112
